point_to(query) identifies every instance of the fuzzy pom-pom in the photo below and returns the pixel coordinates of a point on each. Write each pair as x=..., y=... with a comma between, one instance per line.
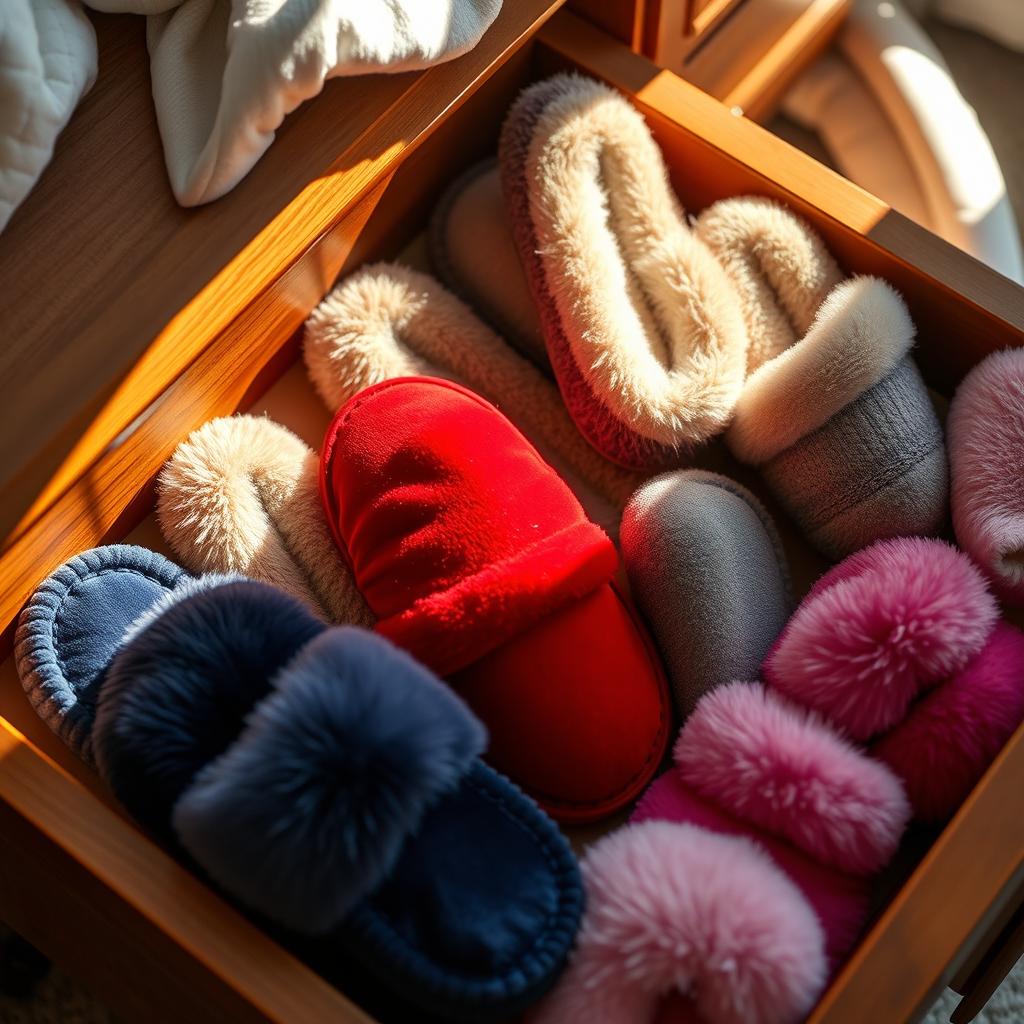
x=986, y=455
x=674, y=909
x=883, y=625
x=783, y=769
x=952, y=735
x=308, y=811
x=177, y=694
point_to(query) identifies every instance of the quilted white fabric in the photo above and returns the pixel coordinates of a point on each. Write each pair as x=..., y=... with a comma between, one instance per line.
x=226, y=72
x=47, y=62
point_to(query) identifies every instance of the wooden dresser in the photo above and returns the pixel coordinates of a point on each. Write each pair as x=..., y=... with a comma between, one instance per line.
x=126, y=322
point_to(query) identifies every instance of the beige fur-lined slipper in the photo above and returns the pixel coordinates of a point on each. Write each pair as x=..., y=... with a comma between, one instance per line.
x=240, y=494
x=834, y=411
x=468, y=220
x=642, y=325
x=388, y=321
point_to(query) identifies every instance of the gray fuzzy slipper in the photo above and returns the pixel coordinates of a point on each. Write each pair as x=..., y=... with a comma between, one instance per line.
x=834, y=412
x=707, y=570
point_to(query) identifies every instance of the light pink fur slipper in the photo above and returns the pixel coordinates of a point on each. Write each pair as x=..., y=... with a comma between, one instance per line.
x=878, y=630
x=675, y=911
x=386, y=321
x=841, y=901
x=833, y=412
x=642, y=325
x=986, y=455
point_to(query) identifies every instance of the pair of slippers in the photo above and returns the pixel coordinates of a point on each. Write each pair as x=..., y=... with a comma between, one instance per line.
x=744, y=875
x=467, y=550
x=902, y=647
x=661, y=334
x=318, y=775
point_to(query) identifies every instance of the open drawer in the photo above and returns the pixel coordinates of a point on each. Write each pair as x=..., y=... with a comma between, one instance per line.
x=97, y=895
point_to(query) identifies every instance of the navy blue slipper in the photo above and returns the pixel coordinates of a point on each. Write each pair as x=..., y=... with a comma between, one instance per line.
x=322, y=777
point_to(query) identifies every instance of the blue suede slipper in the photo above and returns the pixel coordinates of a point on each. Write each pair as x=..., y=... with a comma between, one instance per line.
x=321, y=776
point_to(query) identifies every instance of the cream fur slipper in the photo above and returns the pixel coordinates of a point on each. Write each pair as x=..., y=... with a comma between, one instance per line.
x=468, y=220
x=240, y=494
x=388, y=321
x=834, y=412
x=642, y=325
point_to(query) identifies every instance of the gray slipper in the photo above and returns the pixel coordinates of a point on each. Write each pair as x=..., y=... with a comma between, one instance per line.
x=834, y=412
x=473, y=252
x=707, y=570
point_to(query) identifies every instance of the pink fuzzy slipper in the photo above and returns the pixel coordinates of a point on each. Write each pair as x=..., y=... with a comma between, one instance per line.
x=840, y=900
x=879, y=629
x=986, y=455
x=773, y=765
x=673, y=910
x=946, y=743
x=642, y=326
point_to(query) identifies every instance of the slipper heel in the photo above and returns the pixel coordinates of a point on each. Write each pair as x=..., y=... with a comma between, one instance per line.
x=834, y=413
x=240, y=495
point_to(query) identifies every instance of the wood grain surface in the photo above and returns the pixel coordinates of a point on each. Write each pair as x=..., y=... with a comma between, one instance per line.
x=109, y=289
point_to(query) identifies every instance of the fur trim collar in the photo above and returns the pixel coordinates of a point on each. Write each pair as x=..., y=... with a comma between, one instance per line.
x=651, y=319
x=859, y=334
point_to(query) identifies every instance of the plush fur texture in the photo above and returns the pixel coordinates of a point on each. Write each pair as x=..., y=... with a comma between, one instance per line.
x=308, y=810
x=642, y=325
x=480, y=562
x=779, y=265
x=387, y=321
x=953, y=734
x=780, y=768
x=240, y=495
x=878, y=629
x=177, y=696
x=986, y=453
x=860, y=332
x=674, y=909
x=841, y=901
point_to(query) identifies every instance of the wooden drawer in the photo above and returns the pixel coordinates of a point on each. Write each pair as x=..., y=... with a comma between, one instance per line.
x=84, y=884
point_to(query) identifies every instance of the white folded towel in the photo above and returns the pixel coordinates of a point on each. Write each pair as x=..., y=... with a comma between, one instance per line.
x=226, y=72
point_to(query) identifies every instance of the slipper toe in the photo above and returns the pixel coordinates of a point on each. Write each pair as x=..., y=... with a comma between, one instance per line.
x=309, y=807
x=950, y=737
x=479, y=560
x=675, y=910
x=707, y=569
x=74, y=624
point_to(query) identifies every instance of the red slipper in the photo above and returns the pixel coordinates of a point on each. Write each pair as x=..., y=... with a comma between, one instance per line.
x=477, y=559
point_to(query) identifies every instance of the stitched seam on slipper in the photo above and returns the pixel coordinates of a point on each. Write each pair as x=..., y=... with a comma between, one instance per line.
x=533, y=953
x=56, y=622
